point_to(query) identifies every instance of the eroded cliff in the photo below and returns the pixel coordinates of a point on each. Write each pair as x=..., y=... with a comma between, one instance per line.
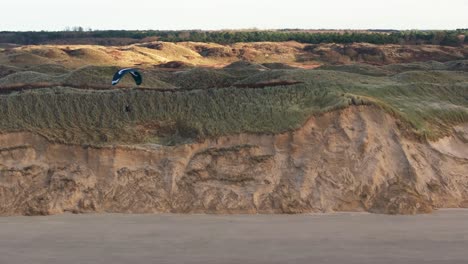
x=356, y=159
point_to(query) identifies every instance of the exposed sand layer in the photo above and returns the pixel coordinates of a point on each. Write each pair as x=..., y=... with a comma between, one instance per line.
x=358, y=238
x=356, y=159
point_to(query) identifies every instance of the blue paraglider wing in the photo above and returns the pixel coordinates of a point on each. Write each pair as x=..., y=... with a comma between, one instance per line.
x=120, y=74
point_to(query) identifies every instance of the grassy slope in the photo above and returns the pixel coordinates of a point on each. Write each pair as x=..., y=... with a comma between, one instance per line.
x=85, y=77
x=429, y=101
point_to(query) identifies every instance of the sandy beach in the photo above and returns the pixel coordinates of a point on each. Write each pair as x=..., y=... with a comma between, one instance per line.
x=441, y=237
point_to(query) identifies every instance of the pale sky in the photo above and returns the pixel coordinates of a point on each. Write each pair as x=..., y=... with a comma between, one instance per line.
x=23, y=15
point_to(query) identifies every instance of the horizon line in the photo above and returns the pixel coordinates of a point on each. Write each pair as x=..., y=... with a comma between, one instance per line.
x=90, y=29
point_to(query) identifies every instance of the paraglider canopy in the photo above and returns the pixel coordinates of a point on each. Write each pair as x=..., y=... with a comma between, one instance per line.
x=134, y=72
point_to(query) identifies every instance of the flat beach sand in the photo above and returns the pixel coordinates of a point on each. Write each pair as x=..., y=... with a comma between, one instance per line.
x=441, y=237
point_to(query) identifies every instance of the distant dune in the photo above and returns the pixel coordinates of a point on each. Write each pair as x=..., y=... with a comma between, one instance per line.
x=216, y=55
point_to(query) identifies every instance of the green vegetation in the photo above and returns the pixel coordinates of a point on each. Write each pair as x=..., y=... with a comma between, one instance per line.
x=79, y=116
x=447, y=37
x=98, y=77
x=94, y=77
x=428, y=101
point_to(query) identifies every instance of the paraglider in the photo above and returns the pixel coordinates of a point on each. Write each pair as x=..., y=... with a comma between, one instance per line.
x=135, y=74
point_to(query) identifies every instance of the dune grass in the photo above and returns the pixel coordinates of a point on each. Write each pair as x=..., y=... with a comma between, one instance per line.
x=97, y=77
x=429, y=102
x=76, y=116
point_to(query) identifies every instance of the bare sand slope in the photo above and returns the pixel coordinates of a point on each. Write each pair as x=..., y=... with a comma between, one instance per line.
x=361, y=238
x=356, y=159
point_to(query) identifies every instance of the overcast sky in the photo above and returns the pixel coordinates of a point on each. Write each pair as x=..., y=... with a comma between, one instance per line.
x=240, y=14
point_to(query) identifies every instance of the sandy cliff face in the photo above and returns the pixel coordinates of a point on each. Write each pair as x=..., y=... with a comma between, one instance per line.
x=355, y=159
